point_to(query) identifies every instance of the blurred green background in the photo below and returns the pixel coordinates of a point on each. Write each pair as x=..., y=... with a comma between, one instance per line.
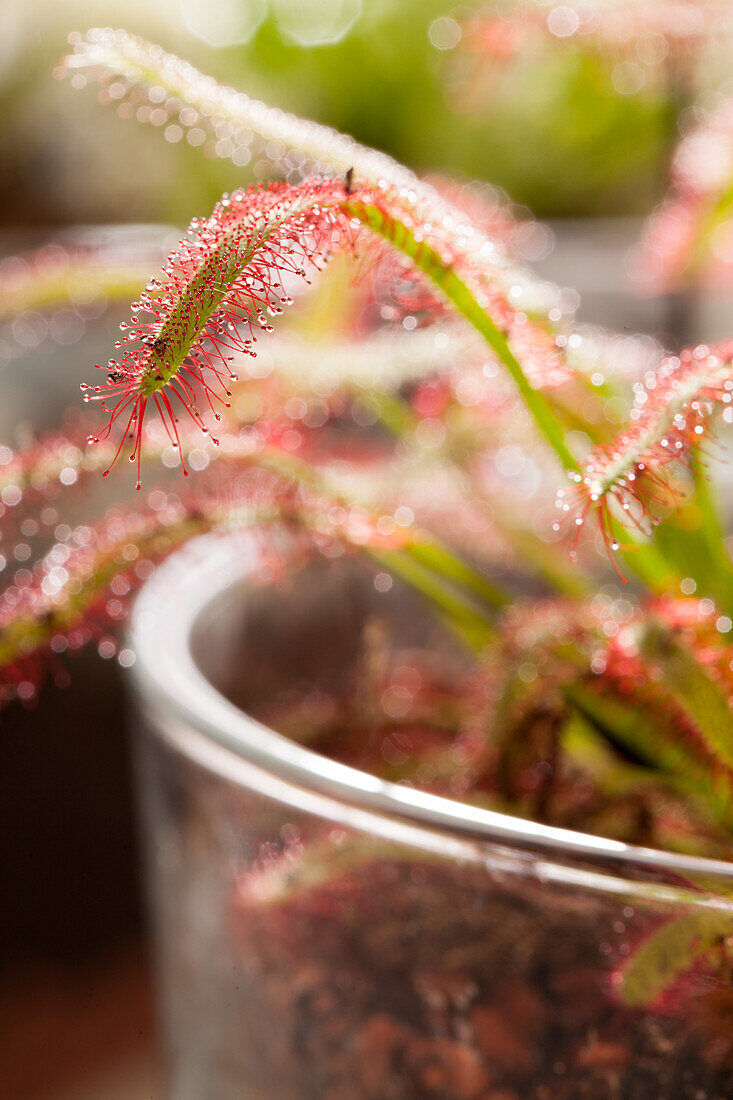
x=555, y=132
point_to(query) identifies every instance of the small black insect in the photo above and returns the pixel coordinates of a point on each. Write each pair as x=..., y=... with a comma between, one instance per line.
x=159, y=345
x=115, y=376
x=349, y=182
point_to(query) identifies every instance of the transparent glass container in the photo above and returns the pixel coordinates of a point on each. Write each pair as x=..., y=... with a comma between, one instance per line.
x=325, y=935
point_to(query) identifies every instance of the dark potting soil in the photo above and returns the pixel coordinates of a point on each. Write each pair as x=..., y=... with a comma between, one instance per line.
x=396, y=980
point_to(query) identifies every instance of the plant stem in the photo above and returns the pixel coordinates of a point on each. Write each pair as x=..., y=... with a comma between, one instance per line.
x=422, y=558
x=470, y=625
x=445, y=276
x=433, y=555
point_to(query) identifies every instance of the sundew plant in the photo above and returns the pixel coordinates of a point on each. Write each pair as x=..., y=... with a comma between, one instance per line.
x=428, y=404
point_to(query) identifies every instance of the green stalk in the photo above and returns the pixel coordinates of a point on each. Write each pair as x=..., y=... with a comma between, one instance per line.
x=423, y=559
x=436, y=557
x=646, y=561
x=444, y=275
x=396, y=416
x=468, y=623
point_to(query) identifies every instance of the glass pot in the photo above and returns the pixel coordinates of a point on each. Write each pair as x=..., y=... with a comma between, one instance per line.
x=322, y=934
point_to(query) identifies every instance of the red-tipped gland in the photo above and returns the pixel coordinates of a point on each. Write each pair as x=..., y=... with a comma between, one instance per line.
x=219, y=282
x=672, y=415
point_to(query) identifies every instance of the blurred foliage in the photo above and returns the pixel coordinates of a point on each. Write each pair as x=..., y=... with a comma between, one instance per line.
x=554, y=132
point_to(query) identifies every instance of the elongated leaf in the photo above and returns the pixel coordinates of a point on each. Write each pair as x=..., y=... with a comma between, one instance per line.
x=668, y=952
x=649, y=738
x=692, y=688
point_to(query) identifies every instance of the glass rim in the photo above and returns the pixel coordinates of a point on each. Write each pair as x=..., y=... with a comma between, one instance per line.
x=168, y=680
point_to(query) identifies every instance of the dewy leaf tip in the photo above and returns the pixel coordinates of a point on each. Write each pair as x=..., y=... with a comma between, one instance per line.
x=219, y=288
